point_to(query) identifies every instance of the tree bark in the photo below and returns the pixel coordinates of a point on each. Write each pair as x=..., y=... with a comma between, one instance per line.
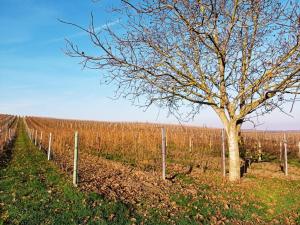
x=234, y=154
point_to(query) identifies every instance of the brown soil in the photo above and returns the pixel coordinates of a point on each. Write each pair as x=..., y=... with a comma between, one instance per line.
x=146, y=190
x=273, y=170
x=143, y=190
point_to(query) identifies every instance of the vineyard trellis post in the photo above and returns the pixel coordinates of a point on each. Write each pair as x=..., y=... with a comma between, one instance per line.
x=75, y=169
x=280, y=152
x=9, y=134
x=49, y=146
x=259, y=151
x=190, y=144
x=223, y=167
x=35, y=139
x=285, y=156
x=163, y=151
x=41, y=138
x=166, y=141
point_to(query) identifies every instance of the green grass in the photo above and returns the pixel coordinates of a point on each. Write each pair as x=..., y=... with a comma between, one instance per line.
x=264, y=200
x=294, y=162
x=283, y=197
x=33, y=191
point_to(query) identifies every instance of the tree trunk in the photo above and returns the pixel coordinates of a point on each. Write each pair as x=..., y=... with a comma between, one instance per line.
x=234, y=155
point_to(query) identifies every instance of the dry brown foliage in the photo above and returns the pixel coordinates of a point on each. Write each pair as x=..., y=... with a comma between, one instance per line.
x=139, y=144
x=8, y=125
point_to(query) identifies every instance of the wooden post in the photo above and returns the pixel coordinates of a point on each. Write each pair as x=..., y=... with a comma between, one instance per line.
x=49, y=146
x=41, y=138
x=259, y=151
x=35, y=139
x=163, y=151
x=75, y=169
x=166, y=140
x=280, y=152
x=285, y=156
x=191, y=144
x=223, y=155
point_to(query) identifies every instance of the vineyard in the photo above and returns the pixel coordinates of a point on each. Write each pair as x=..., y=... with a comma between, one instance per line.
x=8, y=126
x=231, y=64
x=139, y=144
x=123, y=162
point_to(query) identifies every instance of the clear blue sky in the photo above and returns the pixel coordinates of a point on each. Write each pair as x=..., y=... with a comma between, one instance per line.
x=36, y=78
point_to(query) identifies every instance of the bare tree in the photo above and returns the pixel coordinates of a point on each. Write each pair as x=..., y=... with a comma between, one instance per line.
x=236, y=56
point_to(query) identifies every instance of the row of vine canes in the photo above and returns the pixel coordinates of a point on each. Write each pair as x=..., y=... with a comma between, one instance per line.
x=33, y=135
x=10, y=133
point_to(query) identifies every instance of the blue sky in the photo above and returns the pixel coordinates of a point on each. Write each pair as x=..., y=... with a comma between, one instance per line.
x=37, y=78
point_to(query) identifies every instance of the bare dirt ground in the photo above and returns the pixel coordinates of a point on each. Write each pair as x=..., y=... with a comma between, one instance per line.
x=144, y=191
x=273, y=170
x=131, y=185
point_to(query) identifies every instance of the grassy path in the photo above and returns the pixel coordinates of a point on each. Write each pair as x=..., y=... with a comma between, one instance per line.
x=33, y=191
